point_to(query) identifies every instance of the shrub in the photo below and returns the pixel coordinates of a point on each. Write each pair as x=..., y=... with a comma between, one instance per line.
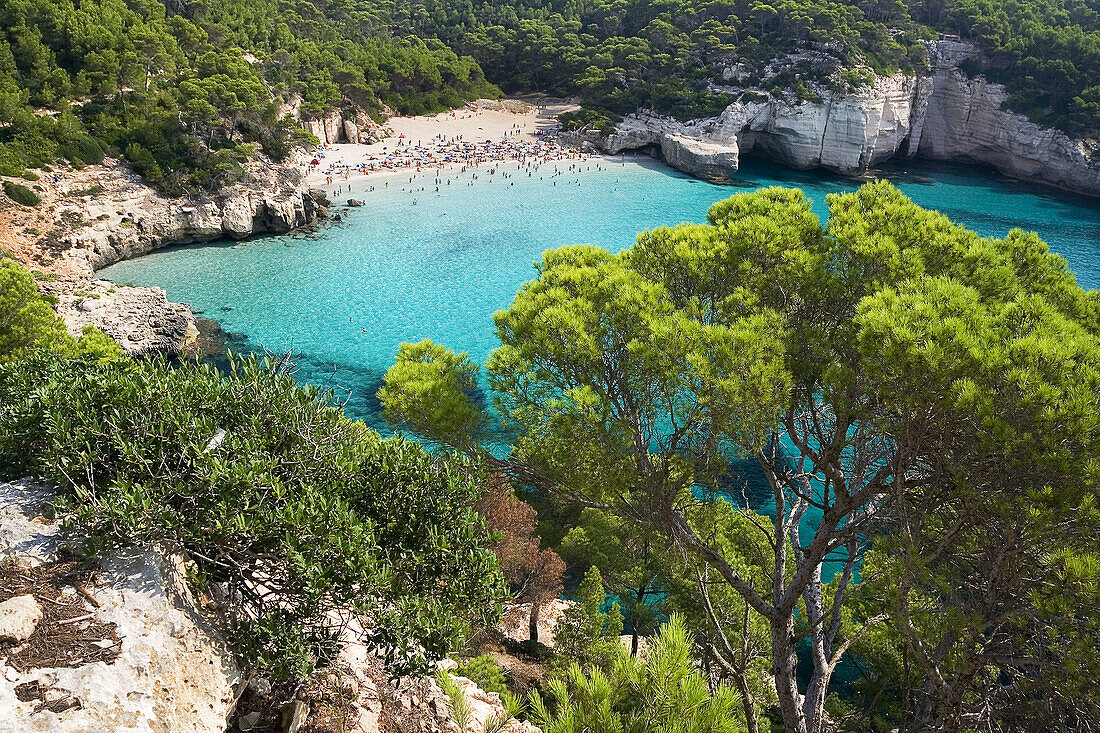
x=586, y=633
x=484, y=672
x=26, y=319
x=20, y=194
x=287, y=509
x=665, y=693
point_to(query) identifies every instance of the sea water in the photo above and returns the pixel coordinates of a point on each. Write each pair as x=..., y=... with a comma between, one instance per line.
x=413, y=263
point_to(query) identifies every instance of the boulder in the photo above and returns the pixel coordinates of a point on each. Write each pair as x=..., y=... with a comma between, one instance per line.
x=333, y=127
x=351, y=131
x=19, y=617
x=141, y=319
x=238, y=215
x=712, y=160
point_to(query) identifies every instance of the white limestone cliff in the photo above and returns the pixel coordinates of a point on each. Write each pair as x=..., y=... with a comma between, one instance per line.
x=846, y=133
x=966, y=121
x=942, y=116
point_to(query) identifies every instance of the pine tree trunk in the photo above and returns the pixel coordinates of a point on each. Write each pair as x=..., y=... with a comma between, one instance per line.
x=747, y=703
x=533, y=621
x=786, y=675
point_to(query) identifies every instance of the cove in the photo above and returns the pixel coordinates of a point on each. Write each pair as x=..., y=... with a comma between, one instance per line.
x=414, y=264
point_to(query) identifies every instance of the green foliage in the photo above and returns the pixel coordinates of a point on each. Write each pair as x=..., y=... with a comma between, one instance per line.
x=621, y=56
x=1047, y=53
x=286, y=508
x=587, y=634
x=661, y=693
x=484, y=672
x=172, y=91
x=461, y=711
x=431, y=383
x=919, y=387
x=28, y=323
x=628, y=559
x=21, y=194
x=26, y=319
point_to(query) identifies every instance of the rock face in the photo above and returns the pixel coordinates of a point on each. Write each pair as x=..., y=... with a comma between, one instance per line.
x=944, y=116
x=416, y=703
x=515, y=623
x=142, y=320
x=172, y=673
x=965, y=121
x=334, y=128
x=272, y=200
x=846, y=133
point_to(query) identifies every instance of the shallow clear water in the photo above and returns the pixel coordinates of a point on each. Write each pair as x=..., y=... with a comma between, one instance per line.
x=414, y=265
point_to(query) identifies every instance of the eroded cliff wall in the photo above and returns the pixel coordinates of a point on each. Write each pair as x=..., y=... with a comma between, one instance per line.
x=944, y=115
x=966, y=121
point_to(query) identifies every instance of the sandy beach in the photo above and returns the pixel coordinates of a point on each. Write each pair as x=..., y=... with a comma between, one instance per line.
x=485, y=134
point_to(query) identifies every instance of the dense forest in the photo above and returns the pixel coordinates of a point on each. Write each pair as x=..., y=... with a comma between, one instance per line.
x=690, y=57
x=188, y=91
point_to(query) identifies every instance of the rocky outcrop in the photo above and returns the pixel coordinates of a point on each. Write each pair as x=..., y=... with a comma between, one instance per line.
x=966, y=121
x=106, y=213
x=141, y=319
x=271, y=200
x=846, y=133
x=171, y=672
x=842, y=132
x=336, y=128
x=942, y=116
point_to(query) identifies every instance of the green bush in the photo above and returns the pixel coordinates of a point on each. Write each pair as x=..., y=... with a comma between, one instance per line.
x=664, y=693
x=587, y=634
x=484, y=672
x=287, y=509
x=21, y=194
x=27, y=322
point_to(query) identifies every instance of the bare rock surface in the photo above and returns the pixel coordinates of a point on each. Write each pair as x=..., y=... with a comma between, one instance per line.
x=966, y=121
x=515, y=622
x=172, y=673
x=944, y=115
x=19, y=617
x=141, y=319
x=333, y=128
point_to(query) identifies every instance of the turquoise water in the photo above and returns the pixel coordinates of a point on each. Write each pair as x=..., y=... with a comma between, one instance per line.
x=414, y=265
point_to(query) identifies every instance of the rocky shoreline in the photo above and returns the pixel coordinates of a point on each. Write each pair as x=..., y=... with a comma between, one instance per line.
x=944, y=115
x=94, y=217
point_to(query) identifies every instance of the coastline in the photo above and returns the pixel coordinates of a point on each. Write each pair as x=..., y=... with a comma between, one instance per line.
x=101, y=214
x=94, y=217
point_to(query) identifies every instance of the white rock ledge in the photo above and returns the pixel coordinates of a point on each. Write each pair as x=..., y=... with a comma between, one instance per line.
x=173, y=673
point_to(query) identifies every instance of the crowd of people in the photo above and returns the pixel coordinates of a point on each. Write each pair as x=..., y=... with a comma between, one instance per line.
x=443, y=151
